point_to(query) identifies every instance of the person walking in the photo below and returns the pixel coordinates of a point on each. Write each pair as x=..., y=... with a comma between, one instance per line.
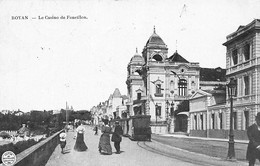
x=63, y=136
x=80, y=144
x=253, y=149
x=117, y=137
x=104, y=146
x=96, y=130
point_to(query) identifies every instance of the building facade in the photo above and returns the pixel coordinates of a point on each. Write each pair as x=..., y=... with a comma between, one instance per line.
x=157, y=83
x=242, y=65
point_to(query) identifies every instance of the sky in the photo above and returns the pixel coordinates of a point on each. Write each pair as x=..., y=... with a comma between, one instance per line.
x=46, y=62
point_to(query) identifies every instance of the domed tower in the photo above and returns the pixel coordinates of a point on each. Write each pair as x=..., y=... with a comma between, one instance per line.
x=135, y=83
x=155, y=49
x=155, y=56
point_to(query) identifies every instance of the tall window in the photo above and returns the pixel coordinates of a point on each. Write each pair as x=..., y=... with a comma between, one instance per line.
x=158, y=110
x=234, y=57
x=139, y=96
x=235, y=80
x=235, y=120
x=195, y=122
x=182, y=87
x=172, y=87
x=220, y=120
x=158, y=88
x=201, y=121
x=247, y=52
x=247, y=85
x=213, y=121
x=246, y=114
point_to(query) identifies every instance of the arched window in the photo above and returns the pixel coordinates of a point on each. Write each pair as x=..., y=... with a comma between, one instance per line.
x=182, y=87
x=158, y=89
x=172, y=87
x=157, y=57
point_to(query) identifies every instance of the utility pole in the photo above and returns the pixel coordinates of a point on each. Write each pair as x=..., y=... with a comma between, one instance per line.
x=67, y=116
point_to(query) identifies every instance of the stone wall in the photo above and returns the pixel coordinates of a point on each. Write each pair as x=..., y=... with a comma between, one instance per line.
x=38, y=154
x=159, y=128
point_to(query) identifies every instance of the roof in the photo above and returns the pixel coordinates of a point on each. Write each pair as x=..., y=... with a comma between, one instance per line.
x=177, y=58
x=216, y=91
x=137, y=57
x=243, y=30
x=155, y=40
x=124, y=97
x=116, y=93
x=211, y=74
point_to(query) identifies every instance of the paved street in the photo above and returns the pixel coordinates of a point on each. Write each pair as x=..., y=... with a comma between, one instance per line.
x=133, y=153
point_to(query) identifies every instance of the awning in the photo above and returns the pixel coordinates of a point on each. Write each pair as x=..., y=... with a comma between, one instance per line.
x=137, y=105
x=183, y=113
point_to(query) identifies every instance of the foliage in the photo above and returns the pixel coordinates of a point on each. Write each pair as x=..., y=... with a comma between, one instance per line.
x=4, y=135
x=38, y=122
x=18, y=147
x=41, y=122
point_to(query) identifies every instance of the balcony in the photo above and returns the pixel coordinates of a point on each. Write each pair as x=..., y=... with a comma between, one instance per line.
x=241, y=66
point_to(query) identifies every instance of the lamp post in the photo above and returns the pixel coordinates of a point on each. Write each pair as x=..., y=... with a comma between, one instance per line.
x=231, y=93
x=167, y=109
x=167, y=115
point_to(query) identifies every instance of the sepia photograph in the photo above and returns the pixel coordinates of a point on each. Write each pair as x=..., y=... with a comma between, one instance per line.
x=129, y=82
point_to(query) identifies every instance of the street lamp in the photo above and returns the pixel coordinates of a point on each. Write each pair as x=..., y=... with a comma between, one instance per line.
x=167, y=109
x=167, y=115
x=231, y=93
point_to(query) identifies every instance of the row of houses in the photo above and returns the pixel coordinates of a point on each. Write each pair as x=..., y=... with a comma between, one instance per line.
x=113, y=108
x=182, y=96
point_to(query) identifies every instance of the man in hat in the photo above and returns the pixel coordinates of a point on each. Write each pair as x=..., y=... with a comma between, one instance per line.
x=253, y=149
x=117, y=137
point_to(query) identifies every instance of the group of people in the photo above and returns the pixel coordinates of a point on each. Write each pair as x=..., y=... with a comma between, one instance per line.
x=104, y=146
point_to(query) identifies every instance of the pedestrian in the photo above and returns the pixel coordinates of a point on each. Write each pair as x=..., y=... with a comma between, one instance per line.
x=80, y=144
x=63, y=136
x=253, y=149
x=104, y=146
x=96, y=130
x=117, y=137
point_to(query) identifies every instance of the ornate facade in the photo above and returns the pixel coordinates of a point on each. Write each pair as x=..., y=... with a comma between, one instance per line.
x=157, y=83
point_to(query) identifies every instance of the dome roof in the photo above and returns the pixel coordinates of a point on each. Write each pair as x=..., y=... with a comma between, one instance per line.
x=137, y=57
x=155, y=40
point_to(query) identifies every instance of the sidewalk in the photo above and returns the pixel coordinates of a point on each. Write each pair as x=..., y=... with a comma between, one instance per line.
x=213, y=147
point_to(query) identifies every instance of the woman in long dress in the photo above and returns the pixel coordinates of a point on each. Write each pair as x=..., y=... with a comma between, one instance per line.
x=104, y=141
x=80, y=144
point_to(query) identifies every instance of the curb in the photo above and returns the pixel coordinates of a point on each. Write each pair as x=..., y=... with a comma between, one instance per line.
x=203, y=138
